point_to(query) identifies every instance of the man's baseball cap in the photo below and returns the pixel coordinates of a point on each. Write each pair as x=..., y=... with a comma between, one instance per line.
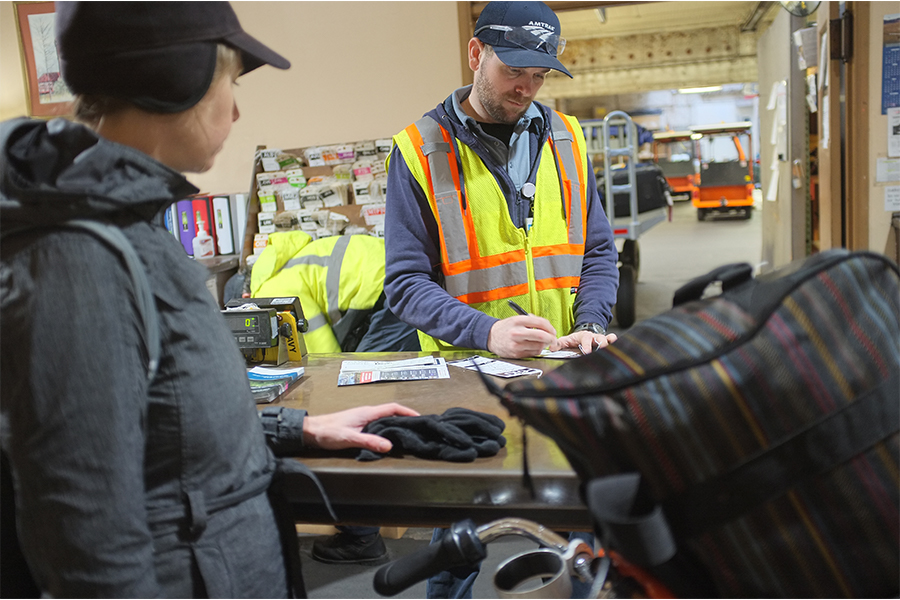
x=523, y=34
x=160, y=56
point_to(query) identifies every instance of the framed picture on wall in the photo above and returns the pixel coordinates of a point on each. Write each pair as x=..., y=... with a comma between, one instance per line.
x=47, y=94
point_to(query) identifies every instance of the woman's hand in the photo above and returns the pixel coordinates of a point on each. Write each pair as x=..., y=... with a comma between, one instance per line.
x=340, y=430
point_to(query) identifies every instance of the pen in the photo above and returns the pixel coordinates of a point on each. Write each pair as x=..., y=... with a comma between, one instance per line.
x=517, y=308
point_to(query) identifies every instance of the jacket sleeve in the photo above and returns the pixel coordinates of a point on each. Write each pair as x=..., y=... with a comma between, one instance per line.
x=74, y=408
x=412, y=272
x=599, y=274
x=283, y=428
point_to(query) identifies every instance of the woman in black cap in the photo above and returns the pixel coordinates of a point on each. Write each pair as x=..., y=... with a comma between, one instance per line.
x=138, y=457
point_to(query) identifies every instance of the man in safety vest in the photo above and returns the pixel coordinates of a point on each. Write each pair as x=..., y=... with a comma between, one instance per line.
x=491, y=198
x=339, y=281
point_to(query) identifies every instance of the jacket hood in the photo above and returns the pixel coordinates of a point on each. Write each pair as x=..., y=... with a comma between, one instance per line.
x=54, y=171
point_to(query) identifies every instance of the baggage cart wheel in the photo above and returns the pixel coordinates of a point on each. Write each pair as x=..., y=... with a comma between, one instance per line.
x=701, y=214
x=631, y=255
x=625, y=298
x=748, y=212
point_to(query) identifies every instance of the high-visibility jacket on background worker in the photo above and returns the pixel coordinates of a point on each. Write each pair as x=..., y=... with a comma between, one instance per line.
x=484, y=258
x=338, y=279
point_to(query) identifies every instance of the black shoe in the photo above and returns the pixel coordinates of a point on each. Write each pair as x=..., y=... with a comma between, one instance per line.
x=346, y=548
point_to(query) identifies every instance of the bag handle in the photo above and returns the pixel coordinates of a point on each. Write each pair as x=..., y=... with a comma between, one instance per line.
x=730, y=275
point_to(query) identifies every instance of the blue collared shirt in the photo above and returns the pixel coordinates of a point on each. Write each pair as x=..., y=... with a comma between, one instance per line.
x=517, y=156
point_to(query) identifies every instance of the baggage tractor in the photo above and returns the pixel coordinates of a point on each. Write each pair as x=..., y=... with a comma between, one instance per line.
x=753, y=434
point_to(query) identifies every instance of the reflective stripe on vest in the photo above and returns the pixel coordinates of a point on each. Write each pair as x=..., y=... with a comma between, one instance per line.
x=333, y=263
x=570, y=174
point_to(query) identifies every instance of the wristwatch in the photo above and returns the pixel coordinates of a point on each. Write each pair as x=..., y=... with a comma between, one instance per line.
x=592, y=327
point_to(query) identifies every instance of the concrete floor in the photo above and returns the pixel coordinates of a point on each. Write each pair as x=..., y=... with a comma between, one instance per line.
x=672, y=253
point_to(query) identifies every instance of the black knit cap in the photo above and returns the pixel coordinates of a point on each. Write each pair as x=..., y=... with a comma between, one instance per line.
x=160, y=56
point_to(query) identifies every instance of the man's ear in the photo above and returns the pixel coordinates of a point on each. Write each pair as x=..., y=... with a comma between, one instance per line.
x=476, y=49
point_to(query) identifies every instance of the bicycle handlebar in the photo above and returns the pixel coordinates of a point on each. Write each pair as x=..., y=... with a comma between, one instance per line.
x=459, y=546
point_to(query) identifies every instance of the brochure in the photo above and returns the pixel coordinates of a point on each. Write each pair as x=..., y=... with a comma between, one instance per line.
x=356, y=372
x=491, y=366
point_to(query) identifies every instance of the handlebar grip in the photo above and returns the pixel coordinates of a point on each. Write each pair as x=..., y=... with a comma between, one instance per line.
x=459, y=546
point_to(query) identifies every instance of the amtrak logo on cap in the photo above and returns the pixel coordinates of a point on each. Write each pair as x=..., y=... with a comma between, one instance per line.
x=539, y=30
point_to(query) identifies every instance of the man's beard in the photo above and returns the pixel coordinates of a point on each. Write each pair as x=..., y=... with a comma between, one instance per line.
x=493, y=103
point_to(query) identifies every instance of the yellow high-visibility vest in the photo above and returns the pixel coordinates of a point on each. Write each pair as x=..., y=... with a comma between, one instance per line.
x=487, y=260
x=333, y=277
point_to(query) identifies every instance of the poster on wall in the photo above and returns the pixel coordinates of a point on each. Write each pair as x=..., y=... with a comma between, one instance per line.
x=890, y=63
x=47, y=94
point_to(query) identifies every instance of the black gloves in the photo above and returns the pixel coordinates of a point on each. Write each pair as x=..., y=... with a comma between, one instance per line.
x=458, y=435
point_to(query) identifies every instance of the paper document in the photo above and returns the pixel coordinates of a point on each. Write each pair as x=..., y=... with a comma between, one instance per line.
x=562, y=354
x=497, y=368
x=355, y=372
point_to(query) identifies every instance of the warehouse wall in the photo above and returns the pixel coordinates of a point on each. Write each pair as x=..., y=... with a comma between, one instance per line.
x=880, y=236
x=360, y=70
x=775, y=63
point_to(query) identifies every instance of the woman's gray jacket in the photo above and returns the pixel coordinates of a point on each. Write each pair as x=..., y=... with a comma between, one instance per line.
x=124, y=487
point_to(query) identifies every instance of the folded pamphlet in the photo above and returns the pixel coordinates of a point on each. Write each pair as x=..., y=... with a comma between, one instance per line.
x=356, y=372
x=497, y=368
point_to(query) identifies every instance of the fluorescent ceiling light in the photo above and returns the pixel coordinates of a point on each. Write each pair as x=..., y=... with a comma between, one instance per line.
x=700, y=90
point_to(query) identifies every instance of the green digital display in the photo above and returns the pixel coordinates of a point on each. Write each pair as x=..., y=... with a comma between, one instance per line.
x=243, y=323
x=251, y=323
x=255, y=328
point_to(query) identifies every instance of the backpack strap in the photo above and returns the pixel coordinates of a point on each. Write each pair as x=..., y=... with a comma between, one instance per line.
x=146, y=304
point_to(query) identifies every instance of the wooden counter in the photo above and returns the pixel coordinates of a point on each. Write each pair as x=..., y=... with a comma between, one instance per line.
x=409, y=491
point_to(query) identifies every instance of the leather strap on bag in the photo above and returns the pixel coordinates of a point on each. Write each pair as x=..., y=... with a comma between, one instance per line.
x=730, y=276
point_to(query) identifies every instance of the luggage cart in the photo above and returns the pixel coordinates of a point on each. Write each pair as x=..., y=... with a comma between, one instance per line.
x=615, y=137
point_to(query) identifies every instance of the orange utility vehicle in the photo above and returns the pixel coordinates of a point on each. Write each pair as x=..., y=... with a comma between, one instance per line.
x=676, y=154
x=726, y=171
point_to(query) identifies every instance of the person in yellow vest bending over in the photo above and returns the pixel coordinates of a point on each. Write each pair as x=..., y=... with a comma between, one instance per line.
x=491, y=198
x=340, y=283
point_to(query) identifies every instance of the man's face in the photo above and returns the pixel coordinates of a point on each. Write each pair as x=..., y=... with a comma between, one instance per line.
x=506, y=92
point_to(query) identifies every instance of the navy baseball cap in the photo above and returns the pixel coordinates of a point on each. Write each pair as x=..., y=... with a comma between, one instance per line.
x=523, y=34
x=160, y=56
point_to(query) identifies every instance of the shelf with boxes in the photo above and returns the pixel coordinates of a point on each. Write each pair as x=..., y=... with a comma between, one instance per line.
x=322, y=190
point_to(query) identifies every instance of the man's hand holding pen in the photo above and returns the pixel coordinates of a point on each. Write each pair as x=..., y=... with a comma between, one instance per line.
x=522, y=336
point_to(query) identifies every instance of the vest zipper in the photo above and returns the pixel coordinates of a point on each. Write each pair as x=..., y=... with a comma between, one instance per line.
x=529, y=264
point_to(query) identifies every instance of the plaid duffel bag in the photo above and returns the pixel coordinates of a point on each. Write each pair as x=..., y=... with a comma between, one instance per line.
x=762, y=425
